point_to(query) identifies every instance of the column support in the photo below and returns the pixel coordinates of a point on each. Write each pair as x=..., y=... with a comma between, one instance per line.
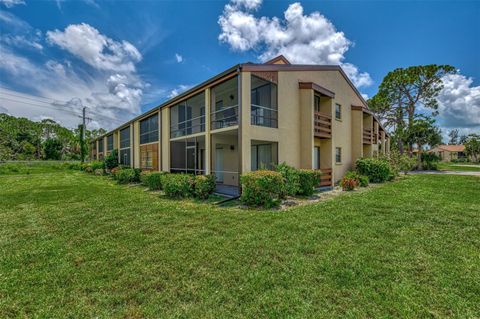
x=208, y=139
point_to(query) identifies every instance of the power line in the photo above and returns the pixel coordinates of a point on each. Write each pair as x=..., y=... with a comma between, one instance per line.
x=53, y=106
x=58, y=109
x=44, y=106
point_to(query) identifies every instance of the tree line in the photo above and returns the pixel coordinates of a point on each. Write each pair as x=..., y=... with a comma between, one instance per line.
x=23, y=139
x=407, y=104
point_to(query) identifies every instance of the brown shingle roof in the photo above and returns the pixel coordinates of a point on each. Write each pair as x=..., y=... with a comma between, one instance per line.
x=450, y=148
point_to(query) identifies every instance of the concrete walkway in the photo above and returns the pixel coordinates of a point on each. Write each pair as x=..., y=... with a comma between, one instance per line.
x=446, y=173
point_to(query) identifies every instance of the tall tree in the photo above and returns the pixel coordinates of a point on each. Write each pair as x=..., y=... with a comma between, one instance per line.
x=21, y=138
x=453, y=135
x=423, y=132
x=463, y=139
x=403, y=91
x=472, y=146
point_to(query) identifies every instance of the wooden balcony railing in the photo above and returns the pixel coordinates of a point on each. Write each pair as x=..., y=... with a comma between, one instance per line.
x=326, y=177
x=367, y=136
x=322, y=125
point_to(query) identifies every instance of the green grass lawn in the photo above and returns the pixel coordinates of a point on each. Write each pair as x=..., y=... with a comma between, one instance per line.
x=462, y=167
x=79, y=246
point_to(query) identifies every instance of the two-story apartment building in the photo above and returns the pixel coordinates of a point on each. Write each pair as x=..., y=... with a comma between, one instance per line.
x=252, y=116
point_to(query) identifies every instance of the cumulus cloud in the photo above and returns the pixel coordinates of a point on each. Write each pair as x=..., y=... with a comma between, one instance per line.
x=11, y=3
x=459, y=102
x=179, y=58
x=101, y=52
x=111, y=88
x=302, y=39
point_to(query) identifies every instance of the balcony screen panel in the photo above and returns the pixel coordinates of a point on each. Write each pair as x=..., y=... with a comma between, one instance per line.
x=188, y=155
x=125, y=137
x=188, y=117
x=125, y=156
x=100, y=146
x=224, y=100
x=264, y=102
x=149, y=130
x=110, y=142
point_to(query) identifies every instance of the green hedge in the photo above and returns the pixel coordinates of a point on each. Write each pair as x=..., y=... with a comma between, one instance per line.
x=204, y=185
x=262, y=188
x=128, y=175
x=309, y=179
x=291, y=178
x=154, y=181
x=377, y=171
x=177, y=185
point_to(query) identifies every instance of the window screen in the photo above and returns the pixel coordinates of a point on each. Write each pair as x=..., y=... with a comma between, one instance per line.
x=149, y=130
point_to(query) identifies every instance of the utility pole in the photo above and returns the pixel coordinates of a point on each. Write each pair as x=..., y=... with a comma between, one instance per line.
x=83, y=124
x=83, y=147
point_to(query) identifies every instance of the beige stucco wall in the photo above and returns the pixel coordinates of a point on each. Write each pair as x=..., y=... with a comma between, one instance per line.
x=165, y=139
x=136, y=148
x=295, y=123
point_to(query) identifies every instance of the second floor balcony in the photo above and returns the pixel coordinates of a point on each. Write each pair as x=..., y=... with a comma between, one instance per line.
x=367, y=136
x=322, y=125
x=224, y=117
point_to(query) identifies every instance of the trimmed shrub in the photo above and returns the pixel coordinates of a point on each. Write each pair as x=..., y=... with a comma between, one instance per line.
x=348, y=183
x=361, y=180
x=177, y=185
x=99, y=172
x=115, y=171
x=309, y=179
x=204, y=185
x=153, y=180
x=128, y=175
x=430, y=161
x=144, y=177
x=262, y=188
x=406, y=163
x=291, y=178
x=377, y=171
x=89, y=169
x=111, y=160
x=97, y=165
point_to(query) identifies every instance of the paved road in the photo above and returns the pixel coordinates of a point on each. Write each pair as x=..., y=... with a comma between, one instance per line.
x=446, y=172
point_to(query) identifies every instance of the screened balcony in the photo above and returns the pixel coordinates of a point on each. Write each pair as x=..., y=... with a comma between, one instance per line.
x=188, y=155
x=124, y=156
x=224, y=101
x=264, y=108
x=188, y=117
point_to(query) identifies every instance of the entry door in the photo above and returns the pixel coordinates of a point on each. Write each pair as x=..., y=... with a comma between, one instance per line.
x=219, y=164
x=316, y=157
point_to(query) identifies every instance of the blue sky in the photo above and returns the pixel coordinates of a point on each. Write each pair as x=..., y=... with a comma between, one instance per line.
x=176, y=45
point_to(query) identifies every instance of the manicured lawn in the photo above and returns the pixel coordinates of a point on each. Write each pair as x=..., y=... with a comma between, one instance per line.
x=463, y=167
x=79, y=246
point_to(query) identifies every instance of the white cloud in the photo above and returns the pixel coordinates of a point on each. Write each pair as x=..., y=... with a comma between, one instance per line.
x=96, y=49
x=178, y=57
x=111, y=89
x=459, y=102
x=302, y=39
x=11, y=3
x=20, y=41
x=179, y=89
